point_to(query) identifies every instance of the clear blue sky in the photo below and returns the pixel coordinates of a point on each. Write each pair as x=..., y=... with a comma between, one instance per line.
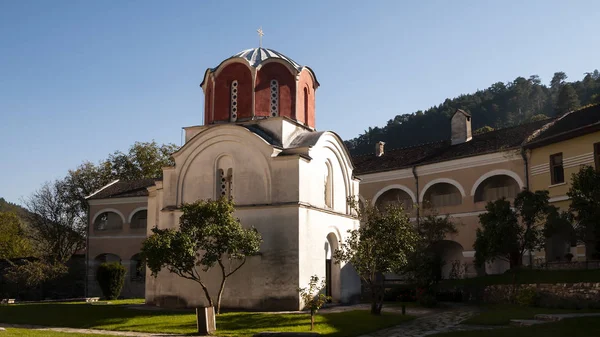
x=81, y=79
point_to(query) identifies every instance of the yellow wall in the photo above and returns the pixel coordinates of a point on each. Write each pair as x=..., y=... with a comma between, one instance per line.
x=576, y=152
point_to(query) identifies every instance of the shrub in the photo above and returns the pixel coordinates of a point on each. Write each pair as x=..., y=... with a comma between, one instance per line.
x=110, y=277
x=400, y=293
x=426, y=298
x=527, y=297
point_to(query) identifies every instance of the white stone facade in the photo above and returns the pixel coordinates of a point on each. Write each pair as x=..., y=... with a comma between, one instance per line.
x=289, y=182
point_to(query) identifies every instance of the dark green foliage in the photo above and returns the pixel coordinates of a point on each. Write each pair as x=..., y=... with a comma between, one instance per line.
x=567, y=100
x=383, y=244
x=507, y=232
x=483, y=130
x=499, y=106
x=585, y=204
x=110, y=277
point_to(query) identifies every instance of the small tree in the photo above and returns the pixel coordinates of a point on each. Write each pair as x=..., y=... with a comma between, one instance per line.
x=425, y=265
x=498, y=235
x=585, y=205
x=507, y=233
x=313, y=298
x=208, y=235
x=382, y=244
x=111, y=277
x=13, y=241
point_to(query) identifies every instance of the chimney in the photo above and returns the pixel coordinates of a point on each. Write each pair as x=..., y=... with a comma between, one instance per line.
x=461, y=127
x=379, y=149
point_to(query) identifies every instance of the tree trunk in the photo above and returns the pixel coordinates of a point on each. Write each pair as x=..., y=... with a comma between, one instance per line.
x=376, y=299
x=220, y=295
x=312, y=319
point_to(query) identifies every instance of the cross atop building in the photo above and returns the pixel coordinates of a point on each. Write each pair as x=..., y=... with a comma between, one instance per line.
x=260, y=35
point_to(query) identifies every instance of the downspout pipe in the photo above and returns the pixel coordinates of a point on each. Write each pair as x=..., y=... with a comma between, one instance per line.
x=414, y=171
x=87, y=252
x=526, y=162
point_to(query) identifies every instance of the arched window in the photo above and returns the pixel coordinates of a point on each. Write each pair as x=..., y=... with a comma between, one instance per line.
x=394, y=196
x=274, y=98
x=137, y=267
x=139, y=220
x=496, y=187
x=328, y=184
x=305, y=105
x=224, y=178
x=108, y=221
x=234, y=96
x=107, y=258
x=442, y=195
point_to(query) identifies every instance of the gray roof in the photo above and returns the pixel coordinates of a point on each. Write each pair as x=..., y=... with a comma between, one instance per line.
x=306, y=139
x=255, y=56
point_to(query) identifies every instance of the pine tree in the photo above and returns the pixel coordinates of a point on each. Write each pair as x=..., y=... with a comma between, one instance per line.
x=567, y=100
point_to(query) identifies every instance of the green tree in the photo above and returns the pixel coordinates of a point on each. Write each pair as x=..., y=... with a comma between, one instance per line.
x=532, y=209
x=143, y=160
x=313, y=298
x=13, y=241
x=567, y=100
x=483, y=130
x=538, y=117
x=507, y=232
x=426, y=263
x=111, y=277
x=558, y=80
x=382, y=244
x=498, y=236
x=208, y=235
x=585, y=206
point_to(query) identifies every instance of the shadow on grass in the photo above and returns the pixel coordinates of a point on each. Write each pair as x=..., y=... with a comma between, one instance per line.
x=122, y=318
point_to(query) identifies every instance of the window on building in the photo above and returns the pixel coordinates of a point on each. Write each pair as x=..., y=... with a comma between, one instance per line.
x=597, y=156
x=305, y=105
x=234, y=101
x=496, y=187
x=274, y=98
x=556, y=169
x=394, y=197
x=108, y=221
x=328, y=182
x=139, y=220
x=442, y=195
x=225, y=185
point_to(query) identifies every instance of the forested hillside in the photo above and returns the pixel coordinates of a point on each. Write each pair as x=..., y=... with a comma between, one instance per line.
x=6, y=206
x=499, y=106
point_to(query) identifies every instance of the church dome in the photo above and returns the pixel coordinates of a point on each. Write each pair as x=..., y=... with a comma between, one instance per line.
x=256, y=56
x=259, y=83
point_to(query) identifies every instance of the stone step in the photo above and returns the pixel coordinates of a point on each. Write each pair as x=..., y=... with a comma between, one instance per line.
x=526, y=322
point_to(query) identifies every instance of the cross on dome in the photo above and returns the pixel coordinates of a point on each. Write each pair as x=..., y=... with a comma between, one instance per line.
x=260, y=35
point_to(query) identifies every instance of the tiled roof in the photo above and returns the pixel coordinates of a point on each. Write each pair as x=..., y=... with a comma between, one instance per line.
x=123, y=189
x=571, y=124
x=489, y=142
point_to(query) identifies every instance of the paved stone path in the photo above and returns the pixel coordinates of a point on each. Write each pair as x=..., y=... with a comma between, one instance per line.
x=444, y=321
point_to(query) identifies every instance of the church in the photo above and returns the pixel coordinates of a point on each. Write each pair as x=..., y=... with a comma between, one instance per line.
x=258, y=145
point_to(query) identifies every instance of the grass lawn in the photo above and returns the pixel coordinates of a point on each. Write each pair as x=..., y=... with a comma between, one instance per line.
x=526, y=276
x=39, y=333
x=575, y=327
x=502, y=314
x=118, y=317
